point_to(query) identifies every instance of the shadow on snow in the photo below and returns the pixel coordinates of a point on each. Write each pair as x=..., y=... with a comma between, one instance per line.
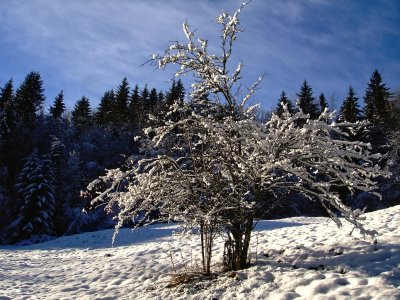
x=103, y=239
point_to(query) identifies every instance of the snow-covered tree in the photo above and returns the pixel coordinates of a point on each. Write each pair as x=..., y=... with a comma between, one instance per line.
x=35, y=187
x=209, y=167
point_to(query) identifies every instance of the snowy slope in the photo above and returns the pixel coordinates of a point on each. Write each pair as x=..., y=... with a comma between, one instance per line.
x=297, y=258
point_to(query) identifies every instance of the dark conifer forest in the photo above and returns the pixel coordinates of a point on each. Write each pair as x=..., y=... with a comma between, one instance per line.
x=49, y=157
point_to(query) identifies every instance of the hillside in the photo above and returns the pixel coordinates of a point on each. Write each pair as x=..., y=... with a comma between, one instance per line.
x=297, y=258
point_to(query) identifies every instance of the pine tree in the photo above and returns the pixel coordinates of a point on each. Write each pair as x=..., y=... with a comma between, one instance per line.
x=306, y=101
x=135, y=111
x=144, y=99
x=323, y=104
x=350, y=110
x=29, y=99
x=57, y=155
x=395, y=114
x=120, y=113
x=283, y=99
x=171, y=96
x=160, y=99
x=180, y=91
x=176, y=93
x=15, y=141
x=37, y=201
x=7, y=113
x=377, y=112
x=376, y=100
x=104, y=115
x=58, y=107
x=81, y=115
x=153, y=100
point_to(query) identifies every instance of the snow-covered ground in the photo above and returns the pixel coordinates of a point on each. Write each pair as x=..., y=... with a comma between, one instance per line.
x=297, y=258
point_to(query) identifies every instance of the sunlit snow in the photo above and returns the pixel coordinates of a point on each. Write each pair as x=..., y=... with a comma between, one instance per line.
x=297, y=258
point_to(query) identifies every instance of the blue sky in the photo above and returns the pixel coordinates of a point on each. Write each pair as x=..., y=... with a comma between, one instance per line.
x=87, y=47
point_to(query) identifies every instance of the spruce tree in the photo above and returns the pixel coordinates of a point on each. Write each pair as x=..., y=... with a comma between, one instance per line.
x=35, y=188
x=57, y=155
x=153, y=100
x=15, y=141
x=144, y=100
x=377, y=112
x=56, y=152
x=135, y=107
x=29, y=99
x=7, y=148
x=350, y=110
x=120, y=113
x=175, y=93
x=58, y=107
x=171, y=96
x=376, y=100
x=180, y=91
x=323, y=104
x=7, y=113
x=81, y=115
x=160, y=99
x=284, y=100
x=104, y=115
x=306, y=100
x=395, y=114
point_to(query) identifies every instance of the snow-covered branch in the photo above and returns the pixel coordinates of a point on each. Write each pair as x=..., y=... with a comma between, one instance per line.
x=210, y=71
x=209, y=166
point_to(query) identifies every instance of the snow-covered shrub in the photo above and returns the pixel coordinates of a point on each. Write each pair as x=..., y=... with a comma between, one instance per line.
x=209, y=167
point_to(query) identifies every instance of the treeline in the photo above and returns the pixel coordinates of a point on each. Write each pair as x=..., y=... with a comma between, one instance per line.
x=47, y=158
x=381, y=110
x=380, y=104
x=379, y=120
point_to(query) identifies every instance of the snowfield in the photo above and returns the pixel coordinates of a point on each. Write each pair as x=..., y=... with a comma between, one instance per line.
x=296, y=258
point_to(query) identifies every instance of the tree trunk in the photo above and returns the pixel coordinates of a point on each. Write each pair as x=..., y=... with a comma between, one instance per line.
x=202, y=247
x=237, y=245
x=207, y=240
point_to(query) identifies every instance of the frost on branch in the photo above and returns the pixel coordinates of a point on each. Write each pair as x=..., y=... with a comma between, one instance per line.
x=208, y=171
x=210, y=167
x=210, y=71
x=321, y=159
